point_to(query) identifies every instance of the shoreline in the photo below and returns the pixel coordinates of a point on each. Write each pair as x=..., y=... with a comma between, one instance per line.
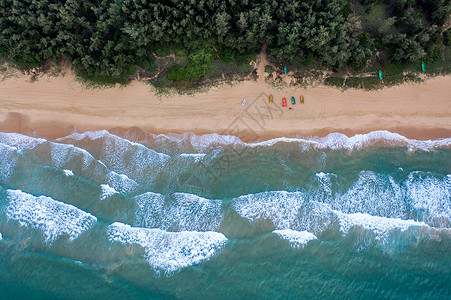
x=52, y=107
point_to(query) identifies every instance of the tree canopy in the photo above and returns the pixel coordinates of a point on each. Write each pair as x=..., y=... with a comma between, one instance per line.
x=109, y=38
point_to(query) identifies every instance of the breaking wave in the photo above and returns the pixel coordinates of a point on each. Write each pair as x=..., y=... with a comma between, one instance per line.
x=132, y=185
x=51, y=217
x=192, y=143
x=296, y=238
x=179, y=212
x=169, y=251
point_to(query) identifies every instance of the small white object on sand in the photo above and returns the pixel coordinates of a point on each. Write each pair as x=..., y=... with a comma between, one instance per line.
x=243, y=102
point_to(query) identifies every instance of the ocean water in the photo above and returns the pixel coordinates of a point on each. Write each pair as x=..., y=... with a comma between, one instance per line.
x=121, y=215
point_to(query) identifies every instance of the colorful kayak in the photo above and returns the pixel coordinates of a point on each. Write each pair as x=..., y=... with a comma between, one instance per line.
x=270, y=98
x=423, y=67
x=302, y=99
x=284, y=102
x=293, y=101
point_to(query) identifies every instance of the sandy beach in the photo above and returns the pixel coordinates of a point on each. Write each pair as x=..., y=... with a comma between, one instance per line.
x=55, y=106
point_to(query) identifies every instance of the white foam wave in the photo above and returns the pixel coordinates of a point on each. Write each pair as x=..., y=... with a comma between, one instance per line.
x=93, y=135
x=334, y=141
x=281, y=207
x=286, y=210
x=296, y=238
x=52, y=217
x=197, y=157
x=421, y=196
x=19, y=141
x=430, y=197
x=8, y=161
x=121, y=155
x=71, y=158
x=381, y=226
x=107, y=191
x=121, y=183
x=292, y=211
x=375, y=194
x=169, y=251
x=181, y=211
x=68, y=172
x=324, y=180
x=199, y=143
x=62, y=154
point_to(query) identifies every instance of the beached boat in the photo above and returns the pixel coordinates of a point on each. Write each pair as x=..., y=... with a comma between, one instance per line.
x=270, y=98
x=302, y=99
x=284, y=102
x=293, y=101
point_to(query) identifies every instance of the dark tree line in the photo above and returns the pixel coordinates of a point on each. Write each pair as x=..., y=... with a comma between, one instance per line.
x=110, y=38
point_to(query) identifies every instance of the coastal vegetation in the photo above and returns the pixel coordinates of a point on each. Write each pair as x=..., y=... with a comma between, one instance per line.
x=186, y=43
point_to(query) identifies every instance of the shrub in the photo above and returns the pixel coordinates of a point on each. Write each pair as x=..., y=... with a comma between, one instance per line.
x=147, y=63
x=269, y=69
x=198, y=66
x=447, y=38
x=161, y=50
x=392, y=69
x=367, y=83
x=334, y=81
x=394, y=79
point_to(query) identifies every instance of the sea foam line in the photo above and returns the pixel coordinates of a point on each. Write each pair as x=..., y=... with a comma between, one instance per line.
x=334, y=141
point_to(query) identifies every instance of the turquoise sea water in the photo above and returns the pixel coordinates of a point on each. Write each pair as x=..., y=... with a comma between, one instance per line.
x=116, y=215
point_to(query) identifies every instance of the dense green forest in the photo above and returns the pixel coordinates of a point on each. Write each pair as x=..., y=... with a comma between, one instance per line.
x=111, y=40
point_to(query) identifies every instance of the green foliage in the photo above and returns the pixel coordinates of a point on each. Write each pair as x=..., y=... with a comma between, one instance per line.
x=392, y=69
x=147, y=63
x=447, y=38
x=345, y=8
x=198, y=66
x=334, y=81
x=377, y=22
x=161, y=50
x=394, y=80
x=367, y=83
x=106, y=40
x=269, y=69
x=438, y=11
x=95, y=77
x=434, y=53
x=229, y=54
x=307, y=59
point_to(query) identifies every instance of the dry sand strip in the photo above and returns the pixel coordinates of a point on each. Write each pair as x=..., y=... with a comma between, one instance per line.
x=55, y=106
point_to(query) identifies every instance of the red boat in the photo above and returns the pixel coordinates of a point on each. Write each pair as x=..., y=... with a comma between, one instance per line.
x=284, y=102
